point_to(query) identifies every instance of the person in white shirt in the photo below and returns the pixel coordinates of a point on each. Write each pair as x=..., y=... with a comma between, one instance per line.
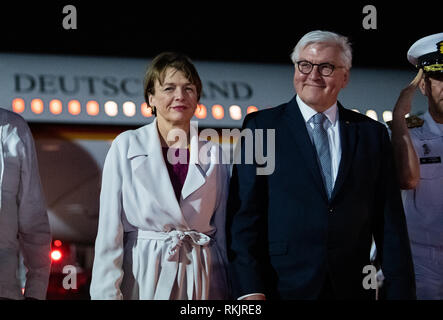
x=418, y=150
x=24, y=226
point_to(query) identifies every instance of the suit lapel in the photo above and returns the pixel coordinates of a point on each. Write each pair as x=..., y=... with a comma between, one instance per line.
x=348, y=140
x=297, y=126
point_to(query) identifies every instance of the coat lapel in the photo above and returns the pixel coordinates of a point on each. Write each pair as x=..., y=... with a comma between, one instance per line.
x=348, y=140
x=196, y=175
x=149, y=170
x=297, y=126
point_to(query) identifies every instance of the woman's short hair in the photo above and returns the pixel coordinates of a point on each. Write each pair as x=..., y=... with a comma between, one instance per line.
x=319, y=36
x=157, y=72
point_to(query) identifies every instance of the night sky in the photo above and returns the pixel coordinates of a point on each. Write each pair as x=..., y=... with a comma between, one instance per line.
x=243, y=31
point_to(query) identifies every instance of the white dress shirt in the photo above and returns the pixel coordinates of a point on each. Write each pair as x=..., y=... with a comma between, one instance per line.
x=332, y=128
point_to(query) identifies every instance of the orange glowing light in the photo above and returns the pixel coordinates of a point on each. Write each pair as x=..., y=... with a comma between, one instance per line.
x=218, y=112
x=200, y=111
x=251, y=109
x=74, y=107
x=18, y=105
x=146, y=111
x=92, y=108
x=37, y=106
x=55, y=106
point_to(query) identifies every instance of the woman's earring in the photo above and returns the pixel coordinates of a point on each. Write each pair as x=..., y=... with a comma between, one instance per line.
x=153, y=110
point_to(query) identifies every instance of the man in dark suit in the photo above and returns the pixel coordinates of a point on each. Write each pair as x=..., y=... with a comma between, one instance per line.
x=305, y=230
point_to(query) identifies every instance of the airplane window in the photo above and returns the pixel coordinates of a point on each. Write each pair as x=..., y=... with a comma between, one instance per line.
x=92, y=108
x=111, y=108
x=37, y=106
x=129, y=108
x=372, y=114
x=74, y=107
x=18, y=105
x=387, y=116
x=146, y=111
x=200, y=111
x=218, y=112
x=55, y=106
x=251, y=109
x=235, y=112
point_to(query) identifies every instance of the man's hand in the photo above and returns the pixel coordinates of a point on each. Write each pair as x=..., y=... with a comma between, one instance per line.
x=407, y=163
x=404, y=102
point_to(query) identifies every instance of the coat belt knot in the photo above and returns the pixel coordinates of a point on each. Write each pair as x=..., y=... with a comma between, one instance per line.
x=177, y=238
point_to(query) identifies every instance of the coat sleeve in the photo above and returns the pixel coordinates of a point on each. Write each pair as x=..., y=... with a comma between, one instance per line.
x=246, y=220
x=107, y=272
x=390, y=231
x=33, y=225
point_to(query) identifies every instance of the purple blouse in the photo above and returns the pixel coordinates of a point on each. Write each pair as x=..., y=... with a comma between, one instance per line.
x=177, y=172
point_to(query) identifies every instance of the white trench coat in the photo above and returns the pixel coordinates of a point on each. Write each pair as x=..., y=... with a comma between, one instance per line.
x=149, y=245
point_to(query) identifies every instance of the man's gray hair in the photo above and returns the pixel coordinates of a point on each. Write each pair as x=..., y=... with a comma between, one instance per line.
x=319, y=36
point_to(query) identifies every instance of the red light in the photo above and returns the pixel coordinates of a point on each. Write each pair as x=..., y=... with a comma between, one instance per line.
x=56, y=255
x=57, y=243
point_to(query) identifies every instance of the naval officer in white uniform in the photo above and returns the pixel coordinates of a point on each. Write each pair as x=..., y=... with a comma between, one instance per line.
x=418, y=147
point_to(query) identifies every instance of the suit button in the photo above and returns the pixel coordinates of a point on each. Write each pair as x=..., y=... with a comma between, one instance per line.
x=331, y=210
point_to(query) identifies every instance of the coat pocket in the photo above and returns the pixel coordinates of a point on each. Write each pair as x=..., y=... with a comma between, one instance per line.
x=278, y=248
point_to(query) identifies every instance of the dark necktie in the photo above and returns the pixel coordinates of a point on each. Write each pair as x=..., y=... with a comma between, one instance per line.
x=320, y=139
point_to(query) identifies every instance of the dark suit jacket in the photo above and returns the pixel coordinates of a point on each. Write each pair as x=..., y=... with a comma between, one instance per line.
x=284, y=236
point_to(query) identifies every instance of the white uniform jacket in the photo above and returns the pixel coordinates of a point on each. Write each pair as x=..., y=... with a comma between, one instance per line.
x=149, y=245
x=424, y=204
x=24, y=225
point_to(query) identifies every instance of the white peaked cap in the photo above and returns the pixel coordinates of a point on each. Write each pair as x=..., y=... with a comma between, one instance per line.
x=424, y=46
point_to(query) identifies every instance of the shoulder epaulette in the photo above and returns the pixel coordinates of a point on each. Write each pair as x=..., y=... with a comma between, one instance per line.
x=411, y=122
x=414, y=122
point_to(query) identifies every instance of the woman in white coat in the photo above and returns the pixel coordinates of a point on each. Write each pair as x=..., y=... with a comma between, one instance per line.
x=161, y=231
